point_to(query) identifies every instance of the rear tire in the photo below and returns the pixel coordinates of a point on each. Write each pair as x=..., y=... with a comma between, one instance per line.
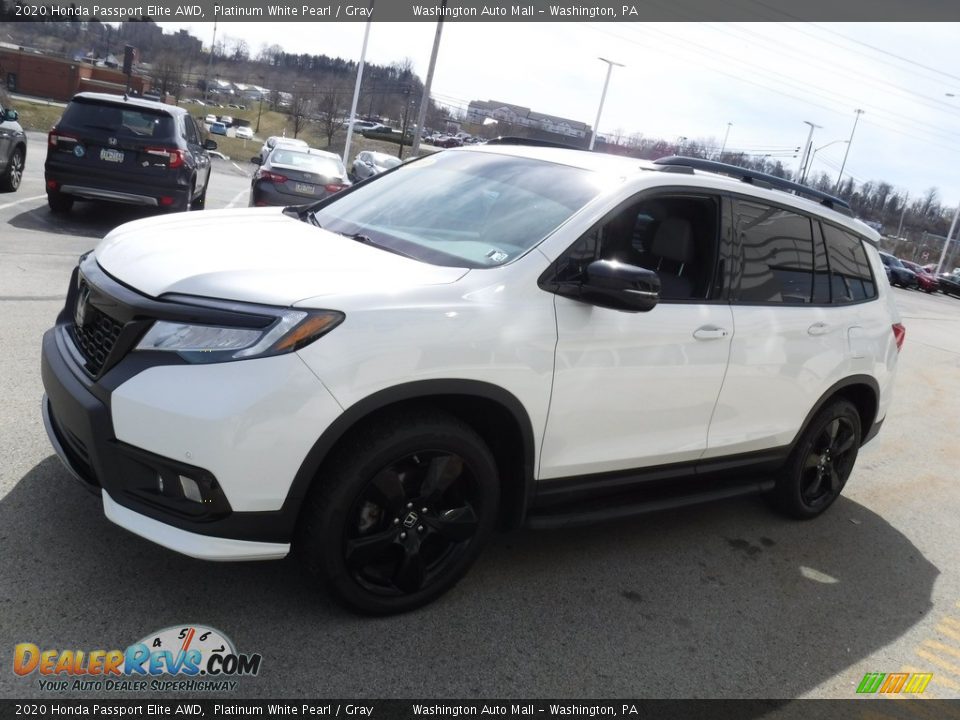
x=400, y=512
x=59, y=203
x=820, y=463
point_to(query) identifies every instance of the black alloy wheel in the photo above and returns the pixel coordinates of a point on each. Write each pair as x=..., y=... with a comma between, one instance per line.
x=400, y=511
x=821, y=462
x=14, y=174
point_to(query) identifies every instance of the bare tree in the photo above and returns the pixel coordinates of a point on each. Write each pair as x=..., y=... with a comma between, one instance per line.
x=331, y=115
x=300, y=108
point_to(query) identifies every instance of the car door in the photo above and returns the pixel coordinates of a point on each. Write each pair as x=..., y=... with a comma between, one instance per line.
x=8, y=131
x=790, y=345
x=637, y=389
x=201, y=157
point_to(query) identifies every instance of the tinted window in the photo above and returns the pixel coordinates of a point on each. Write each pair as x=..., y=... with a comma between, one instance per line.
x=120, y=120
x=850, y=277
x=777, y=251
x=193, y=137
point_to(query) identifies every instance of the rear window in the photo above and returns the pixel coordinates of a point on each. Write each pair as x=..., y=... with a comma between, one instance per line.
x=308, y=163
x=850, y=276
x=118, y=120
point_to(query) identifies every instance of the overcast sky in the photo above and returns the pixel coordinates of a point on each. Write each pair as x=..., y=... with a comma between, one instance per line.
x=692, y=79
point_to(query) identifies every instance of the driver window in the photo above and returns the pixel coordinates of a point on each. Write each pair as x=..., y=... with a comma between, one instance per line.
x=676, y=237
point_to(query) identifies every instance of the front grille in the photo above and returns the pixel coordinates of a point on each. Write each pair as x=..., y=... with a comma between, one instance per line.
x=96, y=338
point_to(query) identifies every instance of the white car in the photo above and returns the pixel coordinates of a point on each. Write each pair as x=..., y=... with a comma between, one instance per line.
x=499, y=335
x=271, y=142
x=210, y=119
x=244, y=132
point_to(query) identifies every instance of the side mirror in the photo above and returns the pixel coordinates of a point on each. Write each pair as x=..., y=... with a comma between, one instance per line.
x=11, y=115
x=617, y=286
x=209, y=145
x=256, y=160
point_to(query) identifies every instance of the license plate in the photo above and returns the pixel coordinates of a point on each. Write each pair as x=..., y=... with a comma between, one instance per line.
x=111, y=155
x=304, y=189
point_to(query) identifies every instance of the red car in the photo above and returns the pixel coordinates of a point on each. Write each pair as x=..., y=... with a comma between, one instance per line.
x=927, y=280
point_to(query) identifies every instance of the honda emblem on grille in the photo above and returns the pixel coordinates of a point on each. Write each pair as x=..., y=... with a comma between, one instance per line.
x=112, y=141
x=80, y=311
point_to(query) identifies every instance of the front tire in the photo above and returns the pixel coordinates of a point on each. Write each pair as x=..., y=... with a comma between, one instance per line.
x=820, y=463
x=400, y=512
x=14, y=173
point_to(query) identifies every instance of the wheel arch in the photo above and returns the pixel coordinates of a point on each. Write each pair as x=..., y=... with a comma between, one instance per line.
x=494, y=413
x=861, y=390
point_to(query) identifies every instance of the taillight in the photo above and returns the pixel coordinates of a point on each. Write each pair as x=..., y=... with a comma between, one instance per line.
x=333, y=188
x=54, y=138
x=899, y=333
x=272, y=177
x=173, y=156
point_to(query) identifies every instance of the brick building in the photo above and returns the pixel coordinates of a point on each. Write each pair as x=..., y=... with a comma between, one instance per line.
x=31, y=73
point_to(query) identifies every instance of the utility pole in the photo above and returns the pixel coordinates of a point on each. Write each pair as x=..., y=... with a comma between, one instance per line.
x=946, y=244
x=902, y=214
x=603, y=96
x=425, y=100
x=856, y=119
x=213, y=45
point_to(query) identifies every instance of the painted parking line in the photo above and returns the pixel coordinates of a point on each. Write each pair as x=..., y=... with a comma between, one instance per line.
x=236, y=198
x=21, y=201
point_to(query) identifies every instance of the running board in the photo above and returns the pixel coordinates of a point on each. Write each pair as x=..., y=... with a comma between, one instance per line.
x=575, y=518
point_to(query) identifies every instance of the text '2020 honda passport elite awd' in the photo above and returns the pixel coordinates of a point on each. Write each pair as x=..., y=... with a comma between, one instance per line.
x=491, y=335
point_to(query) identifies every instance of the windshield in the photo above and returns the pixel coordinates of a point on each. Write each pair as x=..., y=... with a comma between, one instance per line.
x=462, y=208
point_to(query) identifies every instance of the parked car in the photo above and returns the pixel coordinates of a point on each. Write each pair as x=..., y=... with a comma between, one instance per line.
x=493, y=336
x=950, y=283
x=447, y=141
x=897, y=273
x=926, y=281
x=292, y=175
x=369, y=163
x=126, y=150
x=244, y=132
x=218, y=128
x=272, y=141
x=210, y=119
x=226, y=120
x=13, y=150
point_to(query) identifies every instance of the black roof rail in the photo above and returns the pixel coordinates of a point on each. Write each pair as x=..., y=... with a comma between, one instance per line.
x=759, y=179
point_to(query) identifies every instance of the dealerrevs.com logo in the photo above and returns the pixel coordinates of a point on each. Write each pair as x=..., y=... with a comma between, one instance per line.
x=200, y=658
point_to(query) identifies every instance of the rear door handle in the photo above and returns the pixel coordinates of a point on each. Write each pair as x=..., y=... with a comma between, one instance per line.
x=710, y=332
x=818, y=328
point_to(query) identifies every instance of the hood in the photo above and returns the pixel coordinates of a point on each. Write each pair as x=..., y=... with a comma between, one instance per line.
x=254, y=255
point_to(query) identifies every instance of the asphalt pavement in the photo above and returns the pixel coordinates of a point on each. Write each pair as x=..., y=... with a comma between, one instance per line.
x=723, y=600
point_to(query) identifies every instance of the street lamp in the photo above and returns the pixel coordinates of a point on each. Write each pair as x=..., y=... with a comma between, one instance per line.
x=802, y=170
x=260, y=109
x=725, y=136
x=807, y=167
x=856, y=119
x=603, y=96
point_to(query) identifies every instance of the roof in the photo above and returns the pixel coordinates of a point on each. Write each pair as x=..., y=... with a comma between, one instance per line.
x=624, y=167
x=129, y=100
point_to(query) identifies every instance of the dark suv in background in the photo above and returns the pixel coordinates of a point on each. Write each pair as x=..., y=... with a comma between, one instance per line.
x=13, y=150
x=127, y=150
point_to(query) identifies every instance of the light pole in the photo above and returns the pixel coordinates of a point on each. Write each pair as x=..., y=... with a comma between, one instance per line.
x=946, y=243
x=260, y=109
x=213, y=46
x=806, y=150
x=603, y=96
x=856, y=119
x=725, y=136
x=428, y=83
x=809, y=164
x=356, y=90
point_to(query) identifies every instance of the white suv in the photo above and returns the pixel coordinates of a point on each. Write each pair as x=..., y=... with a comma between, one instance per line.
x=496, y=335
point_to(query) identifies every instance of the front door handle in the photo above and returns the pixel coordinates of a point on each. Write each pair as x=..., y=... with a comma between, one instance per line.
x=710, y=332
x=818, y=328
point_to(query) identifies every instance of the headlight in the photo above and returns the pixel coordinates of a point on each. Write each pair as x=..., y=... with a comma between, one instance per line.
x=292, y=330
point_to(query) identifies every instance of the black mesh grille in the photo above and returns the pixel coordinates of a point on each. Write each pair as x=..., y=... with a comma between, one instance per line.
x=96, y=338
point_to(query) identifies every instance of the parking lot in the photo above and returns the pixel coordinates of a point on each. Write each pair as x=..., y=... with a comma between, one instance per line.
x=725, y=600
